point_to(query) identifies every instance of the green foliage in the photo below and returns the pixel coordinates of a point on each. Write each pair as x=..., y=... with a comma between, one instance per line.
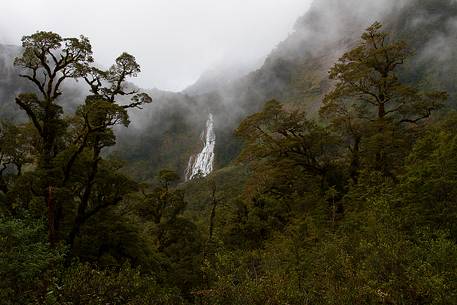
x=370, y=105
x=16, y=150
x=27, y=264
x=286, y=145
x=274, y=132
x=72, y=179
x=301, y=235
x=370, y=258
x=175, y=240
x=359, y=212
x=429, y=183
x=82, y=284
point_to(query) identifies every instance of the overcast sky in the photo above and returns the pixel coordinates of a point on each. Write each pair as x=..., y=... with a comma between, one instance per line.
x=173, y=40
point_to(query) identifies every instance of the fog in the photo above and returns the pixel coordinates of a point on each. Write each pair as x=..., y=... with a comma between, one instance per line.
x=266, y=49
x=175, y=41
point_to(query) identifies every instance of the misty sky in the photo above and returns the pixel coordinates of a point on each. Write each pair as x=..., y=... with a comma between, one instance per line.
x=173, y=40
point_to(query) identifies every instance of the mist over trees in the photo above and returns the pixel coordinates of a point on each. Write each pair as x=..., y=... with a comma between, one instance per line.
x=296, y=73
x=335, y=180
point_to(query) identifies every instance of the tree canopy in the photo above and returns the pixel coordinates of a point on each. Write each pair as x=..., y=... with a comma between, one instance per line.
x=357, y=206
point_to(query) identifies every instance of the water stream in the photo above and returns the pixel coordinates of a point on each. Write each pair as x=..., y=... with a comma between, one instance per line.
x=202, y=163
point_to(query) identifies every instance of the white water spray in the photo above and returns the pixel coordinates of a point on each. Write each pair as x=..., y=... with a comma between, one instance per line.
x=202, y=164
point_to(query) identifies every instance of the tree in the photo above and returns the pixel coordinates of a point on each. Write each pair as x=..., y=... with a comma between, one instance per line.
x=294, y=162
x=16, y=148
x=93, y=128
x=163, y=204
x=47, y=61
x=370, y=101
x=289, y=139
x=215, y=201
x=430, y=180
x=176, y=238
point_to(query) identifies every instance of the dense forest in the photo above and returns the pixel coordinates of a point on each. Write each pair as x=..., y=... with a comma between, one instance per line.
x=349, y=197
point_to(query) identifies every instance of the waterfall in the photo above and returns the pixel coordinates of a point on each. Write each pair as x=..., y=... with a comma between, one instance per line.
x=202, y=163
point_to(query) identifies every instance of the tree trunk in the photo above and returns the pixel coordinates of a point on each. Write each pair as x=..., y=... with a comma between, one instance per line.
x=355, y=160
x=379, y=161
x=381, y=110
x=48, y=149
x=79, y=219
x=52, y=234
x=211, y=219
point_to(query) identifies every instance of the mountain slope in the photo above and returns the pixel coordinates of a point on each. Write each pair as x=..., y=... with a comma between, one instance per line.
x=296, y=72
x=166, y=133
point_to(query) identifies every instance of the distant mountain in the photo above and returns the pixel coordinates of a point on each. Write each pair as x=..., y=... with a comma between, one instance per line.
x=167, y=131
x=296, y=72
x=220, y=77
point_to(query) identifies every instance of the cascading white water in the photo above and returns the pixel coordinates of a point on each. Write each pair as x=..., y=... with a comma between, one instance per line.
x=202, y=164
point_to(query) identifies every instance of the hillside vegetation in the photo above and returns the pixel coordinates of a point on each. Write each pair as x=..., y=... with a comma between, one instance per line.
x=336, y=180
